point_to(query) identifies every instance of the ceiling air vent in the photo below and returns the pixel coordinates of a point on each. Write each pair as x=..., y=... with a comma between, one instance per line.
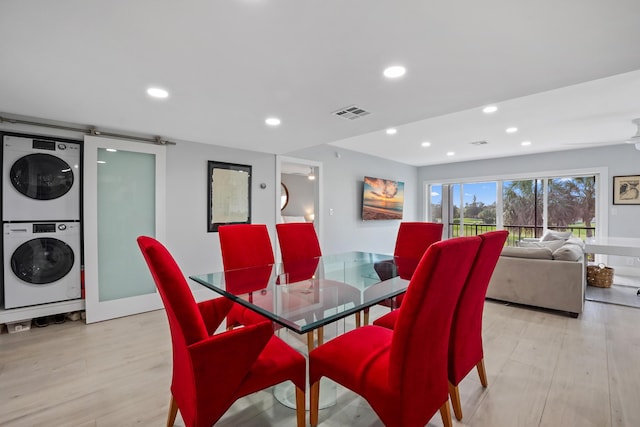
x=351, y=113
x=479, y=143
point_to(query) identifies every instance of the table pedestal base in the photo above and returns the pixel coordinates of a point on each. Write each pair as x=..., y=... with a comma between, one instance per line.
x=285, y=393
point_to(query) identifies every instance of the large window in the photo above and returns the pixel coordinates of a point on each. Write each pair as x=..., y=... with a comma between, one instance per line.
x=472, y=209
x=525, y=207
x=572, y=204
x=435, y=203
x=522, y=208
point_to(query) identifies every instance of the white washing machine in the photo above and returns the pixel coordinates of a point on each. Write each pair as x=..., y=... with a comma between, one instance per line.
x=40, y=180
x=41, y=263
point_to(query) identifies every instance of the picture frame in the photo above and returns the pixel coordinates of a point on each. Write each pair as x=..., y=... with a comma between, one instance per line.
x=228, y=194
x=382, y=199
x=626, y=190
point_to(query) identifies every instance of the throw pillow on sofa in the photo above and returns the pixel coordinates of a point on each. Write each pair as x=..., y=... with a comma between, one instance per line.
x=568, y=252
x=551, y=244
x=555, y=235
x=575, y=241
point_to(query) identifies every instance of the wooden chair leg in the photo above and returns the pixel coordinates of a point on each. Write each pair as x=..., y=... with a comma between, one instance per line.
x=320, y=336
x=173, y=411
x=300, y=407
x=310, y=341
x=358, y=322
x=446, y=414
x=482, y=373
x=455, y=401
x=314, y=403
x=366, y=316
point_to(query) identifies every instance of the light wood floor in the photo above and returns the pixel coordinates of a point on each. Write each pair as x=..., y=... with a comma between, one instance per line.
x=544, y=369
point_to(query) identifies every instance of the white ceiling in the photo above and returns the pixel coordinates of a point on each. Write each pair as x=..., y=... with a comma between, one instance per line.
x=566, y=73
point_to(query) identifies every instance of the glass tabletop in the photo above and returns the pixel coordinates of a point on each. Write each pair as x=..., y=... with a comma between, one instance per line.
x=307, y=294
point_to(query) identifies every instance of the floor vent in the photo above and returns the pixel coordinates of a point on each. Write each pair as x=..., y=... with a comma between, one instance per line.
x=351, y=113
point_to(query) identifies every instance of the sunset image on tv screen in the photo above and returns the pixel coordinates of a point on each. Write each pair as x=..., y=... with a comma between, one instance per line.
x=382, y=199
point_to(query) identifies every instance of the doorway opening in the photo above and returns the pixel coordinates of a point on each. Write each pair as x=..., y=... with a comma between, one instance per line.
x=300, y=186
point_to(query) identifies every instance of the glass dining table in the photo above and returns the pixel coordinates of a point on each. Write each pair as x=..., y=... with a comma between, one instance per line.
x=306, y=295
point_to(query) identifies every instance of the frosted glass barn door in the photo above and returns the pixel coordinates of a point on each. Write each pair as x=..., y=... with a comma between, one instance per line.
x=124, y=197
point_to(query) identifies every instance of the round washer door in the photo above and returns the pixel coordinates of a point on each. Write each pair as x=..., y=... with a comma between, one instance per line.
x=42, y=261
x=41, y=176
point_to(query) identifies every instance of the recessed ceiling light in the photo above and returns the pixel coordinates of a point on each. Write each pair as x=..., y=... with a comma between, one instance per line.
x=394, y=72
x=450, y=153
x=525, y=143
x=426, y=144
x=273, y=121
x=391, y=131
x=490, y=109
x=157, y=92
x=512, y=129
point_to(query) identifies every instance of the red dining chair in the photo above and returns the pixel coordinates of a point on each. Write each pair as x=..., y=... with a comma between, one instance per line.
x=465, y=344
x=300, y=250
x=402, y=373
x=298, y=240
x=210, y=372
x=243, y=246
x=411, y=243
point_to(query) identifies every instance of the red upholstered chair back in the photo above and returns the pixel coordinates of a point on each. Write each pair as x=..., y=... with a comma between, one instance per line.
x=300, y=249
x=465, y=349
x=185, y=321
x=419, y=349
x=245, y=245
x=298, y=240
x=411, y=243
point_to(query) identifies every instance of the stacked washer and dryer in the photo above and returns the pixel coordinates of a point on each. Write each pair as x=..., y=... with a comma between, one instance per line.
x=41, y=220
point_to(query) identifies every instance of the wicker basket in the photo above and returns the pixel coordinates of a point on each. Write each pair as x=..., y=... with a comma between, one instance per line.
x=599, y=276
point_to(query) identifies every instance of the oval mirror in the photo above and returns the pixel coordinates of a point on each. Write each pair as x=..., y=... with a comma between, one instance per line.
x=284, y=196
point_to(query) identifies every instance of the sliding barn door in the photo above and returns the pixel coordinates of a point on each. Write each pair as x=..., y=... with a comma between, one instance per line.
x=124, y=197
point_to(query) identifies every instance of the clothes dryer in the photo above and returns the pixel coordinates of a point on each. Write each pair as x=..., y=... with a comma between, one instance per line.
x=41, y=263
x=41, y=179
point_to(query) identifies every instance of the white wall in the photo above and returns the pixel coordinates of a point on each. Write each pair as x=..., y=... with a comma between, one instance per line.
x=342, y=191
x=196, y=250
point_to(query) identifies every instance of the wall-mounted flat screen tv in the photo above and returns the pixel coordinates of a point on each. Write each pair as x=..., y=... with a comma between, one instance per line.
x=382, y=199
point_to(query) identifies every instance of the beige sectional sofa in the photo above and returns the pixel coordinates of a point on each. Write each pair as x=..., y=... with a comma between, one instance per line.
x=542, y=274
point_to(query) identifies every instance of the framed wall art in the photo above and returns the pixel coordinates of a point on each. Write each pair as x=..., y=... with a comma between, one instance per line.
x=229, y=194
x=382, y=199
x=626, y=190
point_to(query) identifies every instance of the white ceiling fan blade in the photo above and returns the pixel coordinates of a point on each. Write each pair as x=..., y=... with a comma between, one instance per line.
x=635, y=139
